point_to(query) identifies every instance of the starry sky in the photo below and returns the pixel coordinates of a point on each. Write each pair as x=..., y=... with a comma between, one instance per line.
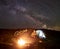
x=15, y=14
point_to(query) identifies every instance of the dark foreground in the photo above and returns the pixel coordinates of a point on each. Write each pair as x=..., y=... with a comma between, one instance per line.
x=51, y=42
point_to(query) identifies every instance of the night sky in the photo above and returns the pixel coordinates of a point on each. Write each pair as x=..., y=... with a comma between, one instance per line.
x=15, y=14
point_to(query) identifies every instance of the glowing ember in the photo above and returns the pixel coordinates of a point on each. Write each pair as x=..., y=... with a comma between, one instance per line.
x=21, y=42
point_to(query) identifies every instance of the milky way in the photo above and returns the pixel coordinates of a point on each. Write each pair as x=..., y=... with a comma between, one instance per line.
x=16, y=14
